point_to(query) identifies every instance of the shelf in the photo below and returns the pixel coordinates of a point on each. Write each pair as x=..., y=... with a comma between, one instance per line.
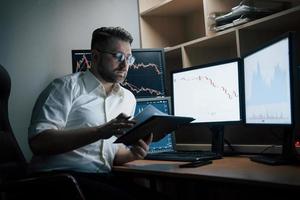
x=236, y=40
x=172, y=8
x=181, y=28
x=264, y=29
x=213, y=6
x=171, y=23
x=210, y=49
x=148, y=5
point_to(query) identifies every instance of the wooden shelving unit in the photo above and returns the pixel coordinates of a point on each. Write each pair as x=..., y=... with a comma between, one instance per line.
x=182, y=28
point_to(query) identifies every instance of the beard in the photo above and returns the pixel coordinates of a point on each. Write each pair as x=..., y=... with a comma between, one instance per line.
x=112, y=76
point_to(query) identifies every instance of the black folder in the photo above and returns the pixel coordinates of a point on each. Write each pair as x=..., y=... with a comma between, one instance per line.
x=151, y=120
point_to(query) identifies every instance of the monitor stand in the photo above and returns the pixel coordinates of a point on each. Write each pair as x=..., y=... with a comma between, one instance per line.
x=288, y=155
x=217, y=143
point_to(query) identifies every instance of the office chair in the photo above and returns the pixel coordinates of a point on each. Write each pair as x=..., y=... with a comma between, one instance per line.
x=14, y=181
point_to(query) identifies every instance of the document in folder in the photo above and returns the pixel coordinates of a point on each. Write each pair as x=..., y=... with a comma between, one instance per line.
x=152, y=120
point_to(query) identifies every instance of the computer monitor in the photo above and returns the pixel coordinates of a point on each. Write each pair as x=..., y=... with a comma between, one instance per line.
x=268, y=84
x=211, y=94
x=81, y=60
x=146, y=77
x=164, y=105
x=269, y=91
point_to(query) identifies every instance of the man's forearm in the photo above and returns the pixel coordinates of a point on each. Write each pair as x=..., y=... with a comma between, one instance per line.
x=51, y=141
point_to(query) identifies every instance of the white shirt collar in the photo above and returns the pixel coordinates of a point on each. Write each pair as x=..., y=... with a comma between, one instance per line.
x=91, y=83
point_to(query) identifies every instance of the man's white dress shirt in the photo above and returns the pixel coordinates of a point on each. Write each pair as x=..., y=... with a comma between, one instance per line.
x=76, y=101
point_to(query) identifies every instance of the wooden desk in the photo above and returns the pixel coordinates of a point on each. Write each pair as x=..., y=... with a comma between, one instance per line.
x=233, y=176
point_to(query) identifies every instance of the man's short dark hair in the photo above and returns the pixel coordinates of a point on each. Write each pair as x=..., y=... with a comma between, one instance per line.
x=102, y=36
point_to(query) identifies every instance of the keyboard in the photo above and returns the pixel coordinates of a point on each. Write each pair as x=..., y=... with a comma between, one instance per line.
x=185, y=156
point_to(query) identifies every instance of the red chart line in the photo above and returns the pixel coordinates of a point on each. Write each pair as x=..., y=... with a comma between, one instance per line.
x=229, y=94
x=81, y=61
x=137, y=90
x=150, y=65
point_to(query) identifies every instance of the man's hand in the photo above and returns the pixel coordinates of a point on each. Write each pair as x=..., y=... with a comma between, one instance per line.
x=140, y=149
x=116, y=126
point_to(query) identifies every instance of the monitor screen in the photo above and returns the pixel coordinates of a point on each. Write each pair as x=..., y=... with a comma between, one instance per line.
x=81, y=60
x=208, y=93
x=268, y=85
x=164, y=105
x=145, y=77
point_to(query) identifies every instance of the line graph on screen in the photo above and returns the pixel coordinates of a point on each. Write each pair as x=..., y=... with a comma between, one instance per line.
x=145, y=77
x=81, y=60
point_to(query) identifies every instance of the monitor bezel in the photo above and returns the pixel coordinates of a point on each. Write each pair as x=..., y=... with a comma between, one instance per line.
x=212, y=64
x=279, y=38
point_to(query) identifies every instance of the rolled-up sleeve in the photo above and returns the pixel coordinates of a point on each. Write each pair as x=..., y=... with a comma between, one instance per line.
x=51, y=108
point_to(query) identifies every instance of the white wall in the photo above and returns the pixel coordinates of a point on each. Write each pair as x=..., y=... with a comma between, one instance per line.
x=36, y=38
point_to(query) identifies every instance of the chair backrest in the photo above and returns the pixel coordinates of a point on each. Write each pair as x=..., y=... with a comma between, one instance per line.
x=13, y=163
x=12, y=160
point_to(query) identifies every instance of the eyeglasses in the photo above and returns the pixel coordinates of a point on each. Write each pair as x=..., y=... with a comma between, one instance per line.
x=120, y=57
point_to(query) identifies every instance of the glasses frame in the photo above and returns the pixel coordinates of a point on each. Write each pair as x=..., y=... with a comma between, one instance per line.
x=120, y=56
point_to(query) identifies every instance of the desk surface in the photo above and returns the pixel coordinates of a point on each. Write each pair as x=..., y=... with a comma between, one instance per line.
x=229, y=169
